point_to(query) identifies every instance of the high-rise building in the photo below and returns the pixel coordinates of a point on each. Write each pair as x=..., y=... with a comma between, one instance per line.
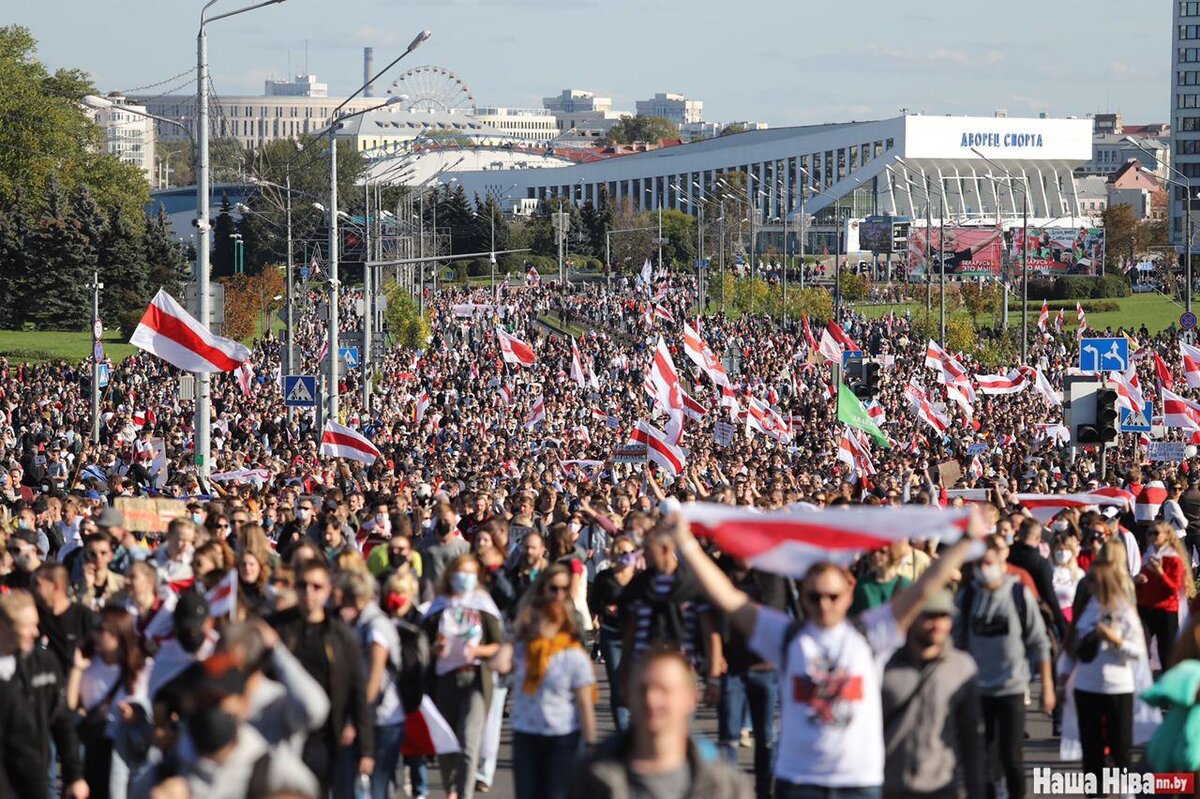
x=1185, y=112
x=576, y=101
x=127, y=135
x=674, y=107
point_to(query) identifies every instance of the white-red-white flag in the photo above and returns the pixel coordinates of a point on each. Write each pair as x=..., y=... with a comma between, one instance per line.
x=659, y=450
x=1059, y=323
x=577, y=366
x=1191, y=364
x=170, y=332
x=1083, y=325
x=1043, y=317
x=853, y=451
x=834, y=341
x=536, y=415
x=924, y=408
x=875, y=411
x=426, y=732
x=692, y=407
x=505, y=393
x=421, y=405
x=1045, y=507
x=662, y=379
x=1179, y=412
x=1013, y=383
x=789, y=541
x=767, y=421
x=1163, y=373
x=699, y=353
x=245, y=377
x=1041, y=385
x=339, y=441
x=222, y=597
x=1128, y=395
x=513, y=350
x=662, y=313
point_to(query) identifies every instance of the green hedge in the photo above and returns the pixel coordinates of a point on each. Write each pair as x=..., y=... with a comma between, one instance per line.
x=1089, y=306
x=1078, y=287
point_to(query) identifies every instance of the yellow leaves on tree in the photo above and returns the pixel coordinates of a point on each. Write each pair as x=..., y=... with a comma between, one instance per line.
x=251, y=301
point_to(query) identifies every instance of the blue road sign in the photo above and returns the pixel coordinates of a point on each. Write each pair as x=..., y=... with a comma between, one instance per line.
x=850, y=355
x=1137, y=422
x=98, y=351
x=1104, y=354
x=1187, y=320
x=349, y=355
x=102, y=375
x=304, y=273
x=300, y=391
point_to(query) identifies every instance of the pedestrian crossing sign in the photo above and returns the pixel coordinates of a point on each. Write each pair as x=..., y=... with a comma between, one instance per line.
x=300, y=391
x=1137, y=421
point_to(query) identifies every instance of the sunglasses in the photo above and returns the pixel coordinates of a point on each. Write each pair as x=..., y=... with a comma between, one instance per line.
x=223, y=526
x=560, y=589
x=815, y=597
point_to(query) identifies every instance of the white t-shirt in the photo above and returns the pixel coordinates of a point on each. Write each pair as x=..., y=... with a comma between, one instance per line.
x=551, y=710
x=832, y=712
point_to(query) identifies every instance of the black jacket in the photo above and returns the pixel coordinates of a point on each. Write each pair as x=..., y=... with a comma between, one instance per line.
x=1029, y=559
x=337, y=666
x=39, y=681
x=23, y=764
x=1189, y=502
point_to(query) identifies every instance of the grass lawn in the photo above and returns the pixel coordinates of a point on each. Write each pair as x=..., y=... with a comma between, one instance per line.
x=568, y=329
x=38, y=347
x=1154, y=311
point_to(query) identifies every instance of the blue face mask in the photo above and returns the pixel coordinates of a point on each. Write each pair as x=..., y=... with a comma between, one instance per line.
x=628, y=559
x=463, y=582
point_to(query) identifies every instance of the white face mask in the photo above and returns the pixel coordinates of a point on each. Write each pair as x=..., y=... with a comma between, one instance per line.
x=1062, y=557
x=991, y=573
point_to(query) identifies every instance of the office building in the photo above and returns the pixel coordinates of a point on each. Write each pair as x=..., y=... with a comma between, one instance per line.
x=127, y=135
x=674, y=107
x=1185, y=114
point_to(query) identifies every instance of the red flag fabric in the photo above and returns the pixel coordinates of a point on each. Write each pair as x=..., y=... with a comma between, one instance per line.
x=170, y=332
x=338, y=441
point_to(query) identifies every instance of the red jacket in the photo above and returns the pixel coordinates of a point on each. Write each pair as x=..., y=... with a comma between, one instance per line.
x=1161, y=591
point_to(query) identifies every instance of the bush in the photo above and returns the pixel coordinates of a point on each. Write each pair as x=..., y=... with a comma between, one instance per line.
x=1079, y=287
x=1089, y=306
x=854, y=287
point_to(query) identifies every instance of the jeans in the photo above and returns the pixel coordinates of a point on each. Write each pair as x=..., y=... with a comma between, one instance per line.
x=758, y=693
x=542, y=763
x=790, y=790
x=1163, y=627
x=387, y=754
x=610, y=650
x=1004, y=732
x=459, y=698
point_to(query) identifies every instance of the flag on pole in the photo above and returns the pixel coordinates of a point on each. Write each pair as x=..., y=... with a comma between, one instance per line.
x=577, y=366
x=919, y=400
x=1163, y=373
x=699, y=353
x=1191, y=364
x=1043, y=317
x=1058, y=321
x=426, y=732
x=170, y=332
x=1012, y=383
x=834, y=340
x=338, y=441
x=421, y=406
x=222, y=597
x=245, y=377
x=662, y=379
x=1180, y=412
x=513, y=350
x=658, y=450
x=1083, y=326
x=850, y=411
x=537, y=414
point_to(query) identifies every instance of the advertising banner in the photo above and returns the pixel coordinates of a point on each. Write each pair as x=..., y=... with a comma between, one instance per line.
x=1062, y=251
x=968, y=251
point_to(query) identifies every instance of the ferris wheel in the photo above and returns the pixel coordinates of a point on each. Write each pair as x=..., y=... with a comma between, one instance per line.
x=431, y=88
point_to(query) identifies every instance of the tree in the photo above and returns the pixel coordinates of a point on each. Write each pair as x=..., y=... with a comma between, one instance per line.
x=679, y=229
x=177, y=155
x=1120, y=229
x=732, y=129
x=490, y=221
x=61, y=258
x=455, y=217
x=221, y=263
x=642, y=129
x=406, y=325
x=125, y=273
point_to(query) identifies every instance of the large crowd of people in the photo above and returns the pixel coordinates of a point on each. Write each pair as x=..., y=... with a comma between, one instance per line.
x=308, y=626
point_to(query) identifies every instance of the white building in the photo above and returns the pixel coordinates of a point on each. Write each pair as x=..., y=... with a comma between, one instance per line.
x=127, y=135
x=1111, y=151
x=867, y=168
x=521, y=124
x=390, y=130
x=1185, y=111
x=574, y=101
x=674, y=107
x=302, y=86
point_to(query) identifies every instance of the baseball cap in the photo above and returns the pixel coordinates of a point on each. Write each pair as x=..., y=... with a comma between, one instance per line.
x=191, y=611
x=940, y=604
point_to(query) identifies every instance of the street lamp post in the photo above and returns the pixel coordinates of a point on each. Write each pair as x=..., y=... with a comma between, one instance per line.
x=1024, y=255
x=1186, y=185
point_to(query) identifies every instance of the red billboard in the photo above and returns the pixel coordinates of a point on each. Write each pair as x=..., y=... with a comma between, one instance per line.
x=967, y=251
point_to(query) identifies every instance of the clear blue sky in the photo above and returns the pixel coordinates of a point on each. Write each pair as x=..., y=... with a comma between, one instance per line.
x=779, y=61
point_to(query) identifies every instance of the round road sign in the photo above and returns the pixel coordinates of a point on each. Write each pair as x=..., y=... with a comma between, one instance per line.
x=1187, y=320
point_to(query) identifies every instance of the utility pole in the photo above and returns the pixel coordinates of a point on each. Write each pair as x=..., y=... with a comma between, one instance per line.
x=942, y=264
x=421, y=246
x=785, y=266
x=660, y=237
x=365, y=356
x=97, y=332
x=492, y=258
x=1025, y=276
x=928, y=249
x=837, y=266
x=560, y=222
x=333, y=276
x=291, y=297
x=203, y=416
x=803, y=234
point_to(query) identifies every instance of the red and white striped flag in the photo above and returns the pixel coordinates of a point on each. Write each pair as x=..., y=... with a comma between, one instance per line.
x=663, y=314
x=729, y=400
x=245, y=377
x=1150, y=501
x=170, y=332
x=222, y=597
x=808, y=334
x=951, y=372
x=692, y=407
x=1128, y=394
x=789, y=541
x=1163, y=373
x=577, y=366
x=875, y=411
x=426, y=732
x=1043, y=317
x=1012, y=383
x=338, y=441
x=699, y=353
x=1191, y=364
x=142, y=419
x=506, y=395
x=1180, y=412
x=924, y=408
x=659, y=450
x=1083, y=326
x=537, y=414
x=662, y=379
x=854, y=451
x=513, y=350
x=421, y=405
x=1059, y=322
x=767, y=421
x=1045, y=507
x=1041, y=385
x=834, y=341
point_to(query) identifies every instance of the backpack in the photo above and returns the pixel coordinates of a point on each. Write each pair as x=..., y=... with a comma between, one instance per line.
x=415, y=664
x=1019, y=600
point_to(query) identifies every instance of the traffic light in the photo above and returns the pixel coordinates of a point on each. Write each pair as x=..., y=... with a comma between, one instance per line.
x=866, y=384
x=1104, y=430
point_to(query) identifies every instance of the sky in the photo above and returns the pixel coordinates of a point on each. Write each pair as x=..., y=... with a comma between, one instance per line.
x=784, y=62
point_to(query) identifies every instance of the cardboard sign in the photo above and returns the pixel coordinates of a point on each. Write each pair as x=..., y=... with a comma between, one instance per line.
x=723, y=433
x=1167, y=451
x=149, y=514
x=950, y=473
x=629, y=454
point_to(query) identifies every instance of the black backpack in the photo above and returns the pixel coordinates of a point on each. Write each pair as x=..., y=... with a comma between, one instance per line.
x=415, y=663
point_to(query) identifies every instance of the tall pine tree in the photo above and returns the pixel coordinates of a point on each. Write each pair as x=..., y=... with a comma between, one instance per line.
x=61, y=259
x=124, y=272
x=15, y=224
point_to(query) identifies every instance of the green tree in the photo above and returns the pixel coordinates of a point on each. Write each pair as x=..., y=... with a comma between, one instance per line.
x=15, y=227
x=680, y=231
x=166, y=263
x=126, y=275
x=61, y=258
x=490, y=221
x=177, y=155
x=1120, y=230
x=642, y=129
x=406, y=325
x=733, y=128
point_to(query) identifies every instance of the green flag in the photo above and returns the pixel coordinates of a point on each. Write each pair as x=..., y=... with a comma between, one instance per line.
x=852, y=413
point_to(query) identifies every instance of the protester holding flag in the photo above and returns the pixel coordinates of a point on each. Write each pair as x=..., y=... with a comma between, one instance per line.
x=831, y=740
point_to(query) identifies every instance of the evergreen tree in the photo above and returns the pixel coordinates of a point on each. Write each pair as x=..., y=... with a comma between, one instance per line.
x=221, y=263
x=454, y=216
x=166, y=262
x=124, y=273
x=490, y=218
x=60, y=259
x=15, y=225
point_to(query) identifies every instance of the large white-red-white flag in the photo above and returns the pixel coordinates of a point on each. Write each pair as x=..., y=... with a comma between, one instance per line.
x=766, y=420
x=921, y=404
x=245, y=377
x=421, y=405
x=834, y=341
x=662, y=379
x=170, y=332
x=1128, y=394
x=536, y=415
x=513, y=350
x=789, y=541
x=1045, y=507
x=1043, y=317
x=1012, y=383
x=1191, y=364
x=659, y=449
x=339, y=441
x=698, y=351
x=577, y=366
x=1179, y=411
x=854, y=451
x=951, y=372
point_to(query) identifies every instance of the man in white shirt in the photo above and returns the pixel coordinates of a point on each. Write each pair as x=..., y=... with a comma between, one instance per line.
x=831, y=734
x=174, y=559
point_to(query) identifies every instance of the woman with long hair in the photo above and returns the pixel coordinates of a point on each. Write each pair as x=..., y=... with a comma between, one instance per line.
x=1106, y=643
x=604, y=602
x=109, y=689
x=1067, y=574
x=1164, y=582
x=554, y=701
x=464, y=630
x=254, y=571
